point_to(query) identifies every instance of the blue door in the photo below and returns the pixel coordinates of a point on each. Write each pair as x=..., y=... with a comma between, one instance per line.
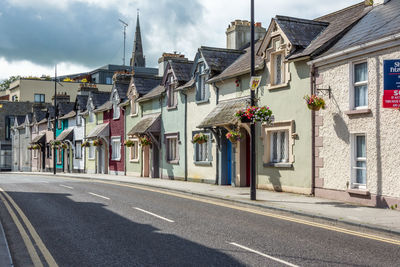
x=229, y=162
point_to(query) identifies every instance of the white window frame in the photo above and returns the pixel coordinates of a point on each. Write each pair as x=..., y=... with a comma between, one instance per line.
x=78, y=148
x=201, y=89
x=355, y=159
x=116, y=111
x=91, y=116
x=134, y=151
x=78, y=120
x=172, y=155
x=267, y=136
x=116, y=148
x=171, y=102
x=42, y=98
x=205, y=147
x=274, y=76
x=92, y=151
x=353, y=85
x=35, y=153
x=278, y=148
x=134, y=107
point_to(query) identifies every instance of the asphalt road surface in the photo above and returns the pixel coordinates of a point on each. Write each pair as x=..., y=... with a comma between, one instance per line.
x=73, y=222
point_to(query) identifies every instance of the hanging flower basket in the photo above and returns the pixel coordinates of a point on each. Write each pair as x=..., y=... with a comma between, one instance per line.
x=314, y=102
x=200, y=138
x=85, y=144
x=233, y=136
x=55, y=143
x=97, y=142
x=36, y=147
x=255, y=114
x=64, y=146
x=145, y=141
x=129, y=143
x=30, y=147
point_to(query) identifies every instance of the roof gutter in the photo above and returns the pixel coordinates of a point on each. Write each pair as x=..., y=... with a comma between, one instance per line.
x=362, y=47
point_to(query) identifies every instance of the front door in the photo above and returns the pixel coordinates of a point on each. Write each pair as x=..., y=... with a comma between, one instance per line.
x=229, y=162
x=146, y=161
x=100, y=162
x=247, y=159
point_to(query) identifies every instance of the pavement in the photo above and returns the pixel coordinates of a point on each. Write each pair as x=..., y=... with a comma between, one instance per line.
x=367, y=217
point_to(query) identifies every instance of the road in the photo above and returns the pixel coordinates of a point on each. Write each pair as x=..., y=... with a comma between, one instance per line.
x=73, y=222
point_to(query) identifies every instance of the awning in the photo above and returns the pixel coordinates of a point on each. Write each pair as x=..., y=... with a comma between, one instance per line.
x=224, y=112
x=101, y=130
x=67, y=134
x=149, y=123
x=39, y=139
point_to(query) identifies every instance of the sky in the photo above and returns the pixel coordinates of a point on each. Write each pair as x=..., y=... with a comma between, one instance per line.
x=81, y=35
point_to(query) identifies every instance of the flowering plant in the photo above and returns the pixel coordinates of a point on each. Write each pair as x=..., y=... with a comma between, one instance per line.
x=200, y=138
x=233, y=136
x=128, y=143
x=64, y=146
x=314, y=102
x=30, y=147
x=97, y=142
x=252, y=114
x=85, y=144
x=145, y=140
x=36, y=147
x=55, y=143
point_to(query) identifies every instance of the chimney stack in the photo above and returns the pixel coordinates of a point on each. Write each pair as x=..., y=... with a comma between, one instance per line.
x=238, y=33
x=162, y=61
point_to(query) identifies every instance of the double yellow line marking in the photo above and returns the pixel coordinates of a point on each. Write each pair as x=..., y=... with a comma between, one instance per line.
x=10, y=204
x=259, y=212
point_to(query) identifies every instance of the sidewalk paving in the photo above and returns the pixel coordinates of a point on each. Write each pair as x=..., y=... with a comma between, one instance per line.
x=368, y=217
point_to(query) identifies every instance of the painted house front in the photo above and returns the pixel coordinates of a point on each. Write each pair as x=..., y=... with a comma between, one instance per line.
x=79, y=133
x=63, y=137
x=20, y=144
x=357, y=139
x=38, y=141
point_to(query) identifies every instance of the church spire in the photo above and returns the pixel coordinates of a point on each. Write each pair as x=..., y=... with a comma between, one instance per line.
x=138, y=59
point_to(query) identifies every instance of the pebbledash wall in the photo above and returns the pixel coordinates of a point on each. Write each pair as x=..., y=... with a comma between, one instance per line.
x=336, y=126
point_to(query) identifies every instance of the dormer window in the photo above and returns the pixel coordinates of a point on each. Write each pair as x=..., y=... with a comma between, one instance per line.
x=134, y=107
x=171, y=92
x=275, y=53
x=78, y=120
x=91, y=116
x=116, y=111
x=201, y=86
x=277, y=68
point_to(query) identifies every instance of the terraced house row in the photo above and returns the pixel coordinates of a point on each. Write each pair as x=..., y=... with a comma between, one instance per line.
x=172, y=123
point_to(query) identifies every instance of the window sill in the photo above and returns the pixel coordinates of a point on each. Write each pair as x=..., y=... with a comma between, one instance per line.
x=175, y=162
x=115, y=119
x=91, y=159
x=119, y=159
x=199, y=102
x=172, y=108
x=134, y=160
x=358, y=112
x=134, y=115
x=277, y=86
x=203, y=163
x=362, y=192
x=279, y=165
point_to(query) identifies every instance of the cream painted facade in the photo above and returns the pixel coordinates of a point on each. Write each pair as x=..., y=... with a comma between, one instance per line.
x=338, y=125
x=25, y=89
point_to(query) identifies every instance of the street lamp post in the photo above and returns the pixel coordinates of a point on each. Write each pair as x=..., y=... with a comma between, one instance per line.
x=252, y=125
x=55, y=120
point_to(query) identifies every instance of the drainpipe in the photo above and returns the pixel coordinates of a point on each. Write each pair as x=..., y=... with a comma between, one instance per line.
x=160, y=153
x=125, y=148
x=185, y=137
x=312, y=91
x=218, y=136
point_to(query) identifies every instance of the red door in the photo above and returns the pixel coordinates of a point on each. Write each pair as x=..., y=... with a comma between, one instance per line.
x=247, y=159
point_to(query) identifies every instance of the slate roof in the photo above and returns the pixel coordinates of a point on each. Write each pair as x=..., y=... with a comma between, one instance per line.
x=106, y=106
x=224, y=112
x=81, y=102
x=67, y=134
x=144, y=85
x=20, y=120
x=219, y=59
x=39, y=114
x=339, y=23
x=122, y=89
x=40, y=138
x=65, y=108
x=182, y=70
x=155, y=92
x=149, y=123
x=187, y=85
x=380, y=22
x=240, y=66
x=70, y=114
x=101, y=130
x=99, y=98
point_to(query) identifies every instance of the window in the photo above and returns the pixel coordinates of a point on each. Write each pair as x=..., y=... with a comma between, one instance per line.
x=91, y=116
x=277, y=69
x=27, y=132
x=172, y=153
x=36, y=129
x=359, y=164
x=39, y=98
x=78, y=120
x=278, y=144
x=108, y=80
x=59, y=156
x=360, y=85
x=14, y=98
x=116, y=112
x=201, y=87
x=91, y=151
x=116, y=148
x=9, y=124
x=35, y=153
x=134, y=151
x=134, y=107
x=48, y=151
x=78, y=149
x=279, y=147
x=59, y=124
x=202, y=152
x=171, y=92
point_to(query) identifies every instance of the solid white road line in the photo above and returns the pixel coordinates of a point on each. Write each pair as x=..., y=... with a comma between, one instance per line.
x=99, y=195
x=264, y=255
x=155, y=215
x=66, y=186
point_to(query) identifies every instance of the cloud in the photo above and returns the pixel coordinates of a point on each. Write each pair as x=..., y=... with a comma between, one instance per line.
x=87, y=32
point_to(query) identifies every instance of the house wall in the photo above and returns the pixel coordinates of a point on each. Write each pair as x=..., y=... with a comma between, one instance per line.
x=335, y=129
x=24, y=152
x=132, y=167
x=49, y=137
x=79, y=135
x=116, y=130
x=287, y=104
x=89, y=126
x=64, y=125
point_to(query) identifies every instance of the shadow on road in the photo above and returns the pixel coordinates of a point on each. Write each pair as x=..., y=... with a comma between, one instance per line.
x=89, y=234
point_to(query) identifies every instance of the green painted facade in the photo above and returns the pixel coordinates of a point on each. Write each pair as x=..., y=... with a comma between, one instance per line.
x=132, y=167
x=89, y=126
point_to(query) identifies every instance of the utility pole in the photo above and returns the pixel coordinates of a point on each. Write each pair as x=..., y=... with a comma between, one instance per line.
x=125, y=25
x=55, y=120
x=252, y=103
